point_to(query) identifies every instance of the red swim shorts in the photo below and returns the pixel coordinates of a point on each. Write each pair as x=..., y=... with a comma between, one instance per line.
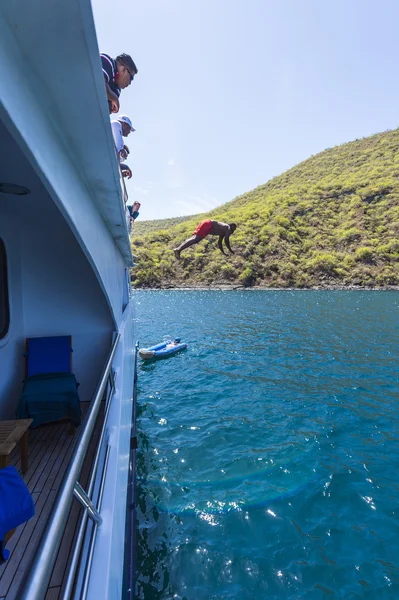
x=204, y=228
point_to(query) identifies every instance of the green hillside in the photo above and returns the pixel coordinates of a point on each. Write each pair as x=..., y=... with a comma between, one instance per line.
x=331, y=220
x=144, y=227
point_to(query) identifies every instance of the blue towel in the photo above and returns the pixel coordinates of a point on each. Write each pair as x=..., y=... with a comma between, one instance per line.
x=50, y=397
x=16, y=504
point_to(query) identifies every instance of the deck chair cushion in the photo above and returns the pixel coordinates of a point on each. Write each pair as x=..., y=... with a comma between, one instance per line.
x=50, y=397
x=16, y=504
x=48, y=355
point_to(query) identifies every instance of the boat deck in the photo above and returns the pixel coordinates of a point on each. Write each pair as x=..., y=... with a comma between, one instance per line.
x=50, y=448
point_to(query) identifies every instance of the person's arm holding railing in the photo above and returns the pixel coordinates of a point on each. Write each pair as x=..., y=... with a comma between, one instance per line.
x=113, y=100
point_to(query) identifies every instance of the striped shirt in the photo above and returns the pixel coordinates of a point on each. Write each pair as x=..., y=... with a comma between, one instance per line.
x=110, y=72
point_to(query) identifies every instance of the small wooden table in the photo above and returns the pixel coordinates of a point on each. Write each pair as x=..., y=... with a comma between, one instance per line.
x=12, y=432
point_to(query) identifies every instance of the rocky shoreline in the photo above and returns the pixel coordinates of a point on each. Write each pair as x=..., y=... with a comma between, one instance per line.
x=225, y=287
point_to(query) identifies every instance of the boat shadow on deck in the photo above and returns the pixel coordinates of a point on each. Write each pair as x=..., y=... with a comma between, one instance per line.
x=50, y=448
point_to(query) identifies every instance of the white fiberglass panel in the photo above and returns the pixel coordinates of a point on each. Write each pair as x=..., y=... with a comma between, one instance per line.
x=68, y=142
x=53, y=289
x=107, y=570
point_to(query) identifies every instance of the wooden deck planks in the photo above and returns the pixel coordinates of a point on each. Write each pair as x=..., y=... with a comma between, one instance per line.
x=45, y=458
x=23, y=549
x=53, y=593
x=28, y=547
x=50, y=449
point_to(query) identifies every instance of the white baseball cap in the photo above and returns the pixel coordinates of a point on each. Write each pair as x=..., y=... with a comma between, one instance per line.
x=125, y=119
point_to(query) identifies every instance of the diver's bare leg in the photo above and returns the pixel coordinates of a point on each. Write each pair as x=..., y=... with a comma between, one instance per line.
x=190, y=242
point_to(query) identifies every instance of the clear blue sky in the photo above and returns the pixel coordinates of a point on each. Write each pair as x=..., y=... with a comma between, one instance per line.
x=231, y=93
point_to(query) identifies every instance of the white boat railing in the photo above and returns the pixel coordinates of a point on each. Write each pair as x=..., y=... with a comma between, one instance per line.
x=125, y=197
x=123, y=186
x=131, y=515
x=35, y=584
x=121, y=179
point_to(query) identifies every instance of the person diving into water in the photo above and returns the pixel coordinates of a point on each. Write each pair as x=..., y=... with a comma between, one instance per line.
x=209, y=227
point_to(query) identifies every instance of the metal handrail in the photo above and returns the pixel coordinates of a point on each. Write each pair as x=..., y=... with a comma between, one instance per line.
x=131, y=489
x=36, y=583
x=86, y=578
x=70, y=582
x=125, y=196
x=122, y=180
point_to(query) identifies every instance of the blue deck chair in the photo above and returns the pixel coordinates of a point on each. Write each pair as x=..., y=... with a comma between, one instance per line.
x=16, y=506
x=48, y=355
x=50, y=391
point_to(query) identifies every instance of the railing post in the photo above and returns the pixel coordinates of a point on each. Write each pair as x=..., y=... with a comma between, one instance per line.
x=85, y=501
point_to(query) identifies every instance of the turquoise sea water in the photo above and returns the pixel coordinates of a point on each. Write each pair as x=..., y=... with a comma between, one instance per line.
x=269, y=450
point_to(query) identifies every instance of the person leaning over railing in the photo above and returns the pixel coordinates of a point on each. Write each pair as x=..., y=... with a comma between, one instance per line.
x=126, y=170
x=121, y=127
x=134, y=210
x=118, y=74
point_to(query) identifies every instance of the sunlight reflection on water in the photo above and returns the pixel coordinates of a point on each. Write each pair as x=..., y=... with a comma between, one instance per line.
x=269, y=451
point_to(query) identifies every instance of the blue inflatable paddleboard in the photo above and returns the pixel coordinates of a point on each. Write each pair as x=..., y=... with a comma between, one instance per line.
x=162, y=350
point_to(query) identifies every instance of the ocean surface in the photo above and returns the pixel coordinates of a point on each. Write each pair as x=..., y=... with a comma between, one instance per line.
x=269, y=451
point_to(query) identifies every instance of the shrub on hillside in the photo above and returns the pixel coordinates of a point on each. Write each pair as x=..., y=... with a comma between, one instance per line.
x=323, y=263
x=228, y=272
x=351, y=235
x=389, y=250
x=364, y=254
x=247, y=277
